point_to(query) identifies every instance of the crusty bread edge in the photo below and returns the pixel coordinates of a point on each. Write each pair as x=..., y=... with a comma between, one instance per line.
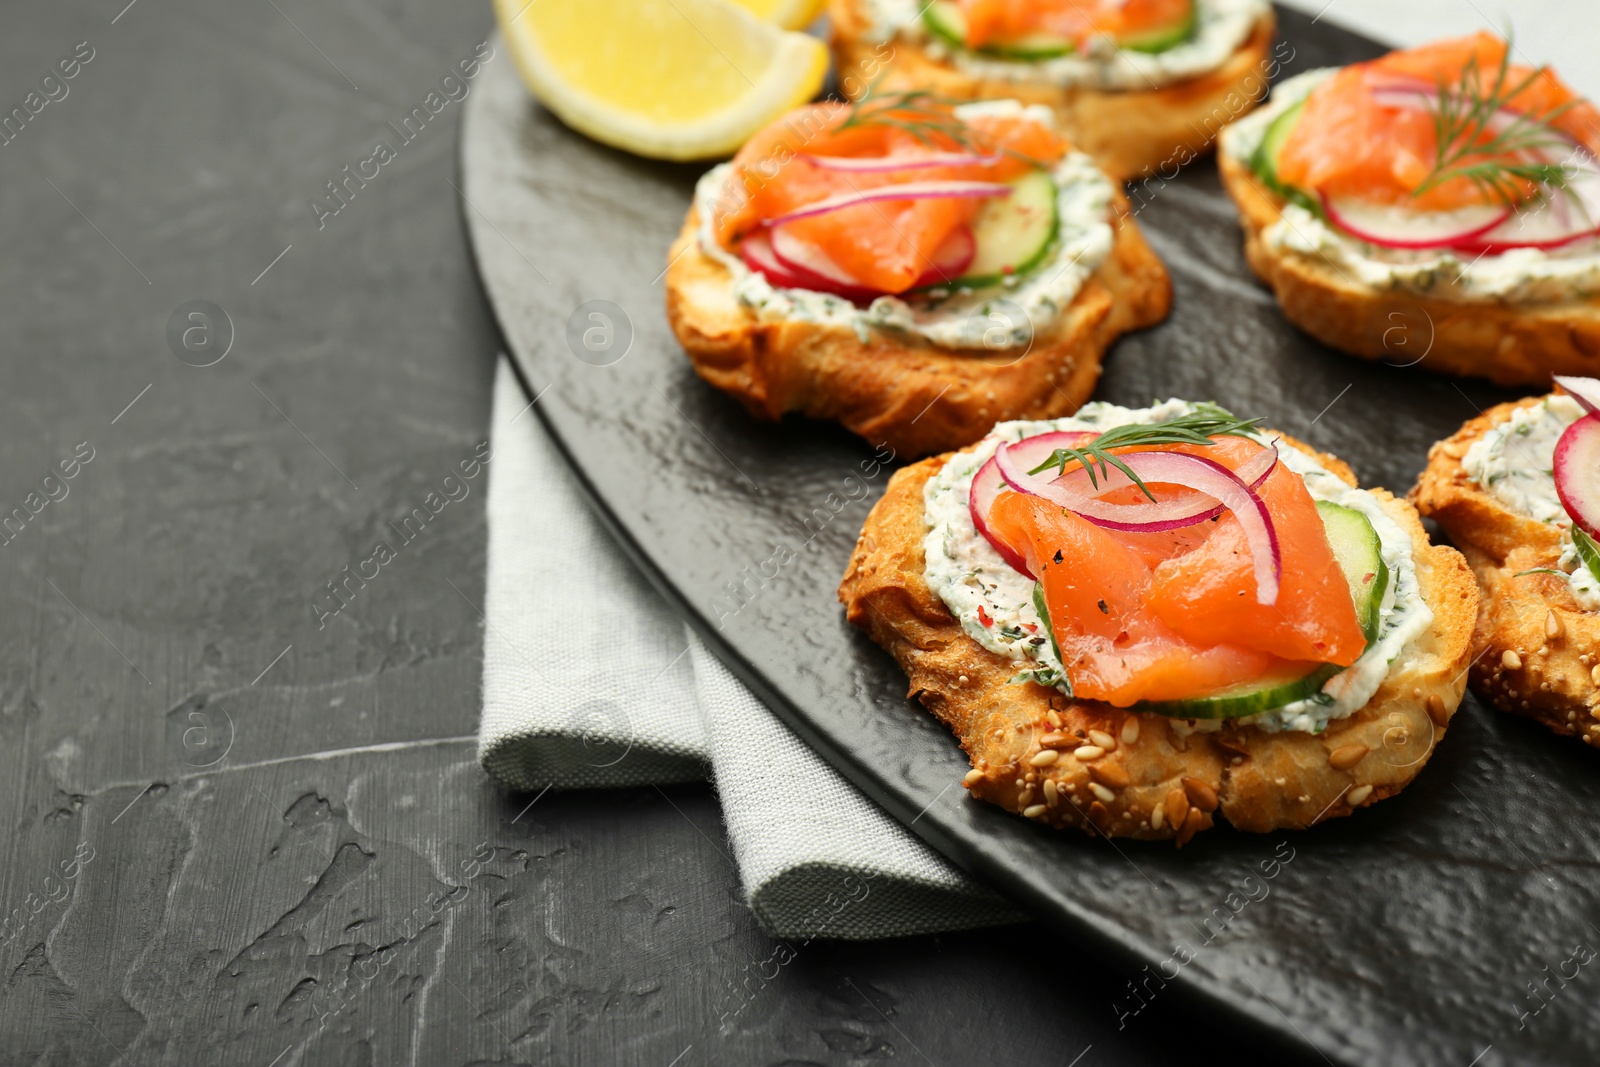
x=1535, y=650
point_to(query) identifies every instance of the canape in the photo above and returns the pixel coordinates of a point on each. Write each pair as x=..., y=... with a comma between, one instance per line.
x=1137, y=621
x=1138, y=84
x=912, y=269
x=1437, y=206
x=1518, y=491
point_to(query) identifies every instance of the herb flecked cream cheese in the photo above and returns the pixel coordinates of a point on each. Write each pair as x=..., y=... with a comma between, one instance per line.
x=1513, y=463
x=1518, y=276
x=1221, y=26
x=966, y=572
x=964, y=318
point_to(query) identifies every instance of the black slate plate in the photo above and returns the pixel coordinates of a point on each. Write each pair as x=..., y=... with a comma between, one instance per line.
x=1409, y=933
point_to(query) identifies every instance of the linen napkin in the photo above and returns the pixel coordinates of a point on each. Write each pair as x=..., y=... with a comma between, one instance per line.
x=562, y=604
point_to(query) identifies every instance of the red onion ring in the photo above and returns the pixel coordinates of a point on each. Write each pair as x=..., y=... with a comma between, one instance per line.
x=887, y=164
x=934, y=190
x=1195, y=472
x=1155, y=516
x=1077, y=492
x=1029, y=452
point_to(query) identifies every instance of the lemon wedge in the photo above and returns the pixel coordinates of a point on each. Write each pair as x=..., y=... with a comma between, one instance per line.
x=669, y=79
x=790, y=14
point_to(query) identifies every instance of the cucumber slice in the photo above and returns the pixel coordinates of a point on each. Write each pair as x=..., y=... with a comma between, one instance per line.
x=1265, y=160
x=1356, y=546
x=1252, y=698
x=1161, y=39
x=945, y=21
x=1588, y=551
x=1043, y=608
x=1014, y=233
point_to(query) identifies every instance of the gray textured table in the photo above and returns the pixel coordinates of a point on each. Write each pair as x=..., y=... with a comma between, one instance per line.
x=241, y=826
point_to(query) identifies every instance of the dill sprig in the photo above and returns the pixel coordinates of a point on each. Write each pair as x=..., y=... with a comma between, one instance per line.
x=1588, y=551
x=1496, y=161
x=918, y=112
x=925, y=116
x=1198, y=427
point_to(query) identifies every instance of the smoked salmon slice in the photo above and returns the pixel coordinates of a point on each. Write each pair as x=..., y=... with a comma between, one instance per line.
x=886, y=245
x=1174, y=616
x=1210, y=590
x=989, y=21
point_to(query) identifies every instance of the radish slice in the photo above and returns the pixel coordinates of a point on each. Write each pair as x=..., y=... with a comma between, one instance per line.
x=1577, y=473
x=807, y=260
x=1586, y=391
x=1194, y=472
x=1155, y=516
x=756, y=251
x=1397, y=227
x=1558, y=218
x=986, y=485
x=906, y=191
x=791, y=262
x=887, y=164
x=951, y=260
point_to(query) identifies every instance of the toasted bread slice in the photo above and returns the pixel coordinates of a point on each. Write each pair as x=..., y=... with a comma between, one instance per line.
x=897, y=389
x=1158, y=779
x=1129, y=132
x=1506, y=343
x=1536, y=651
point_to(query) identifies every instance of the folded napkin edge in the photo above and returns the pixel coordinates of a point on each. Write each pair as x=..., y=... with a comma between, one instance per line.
x=902, y=905
x=549, y=760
